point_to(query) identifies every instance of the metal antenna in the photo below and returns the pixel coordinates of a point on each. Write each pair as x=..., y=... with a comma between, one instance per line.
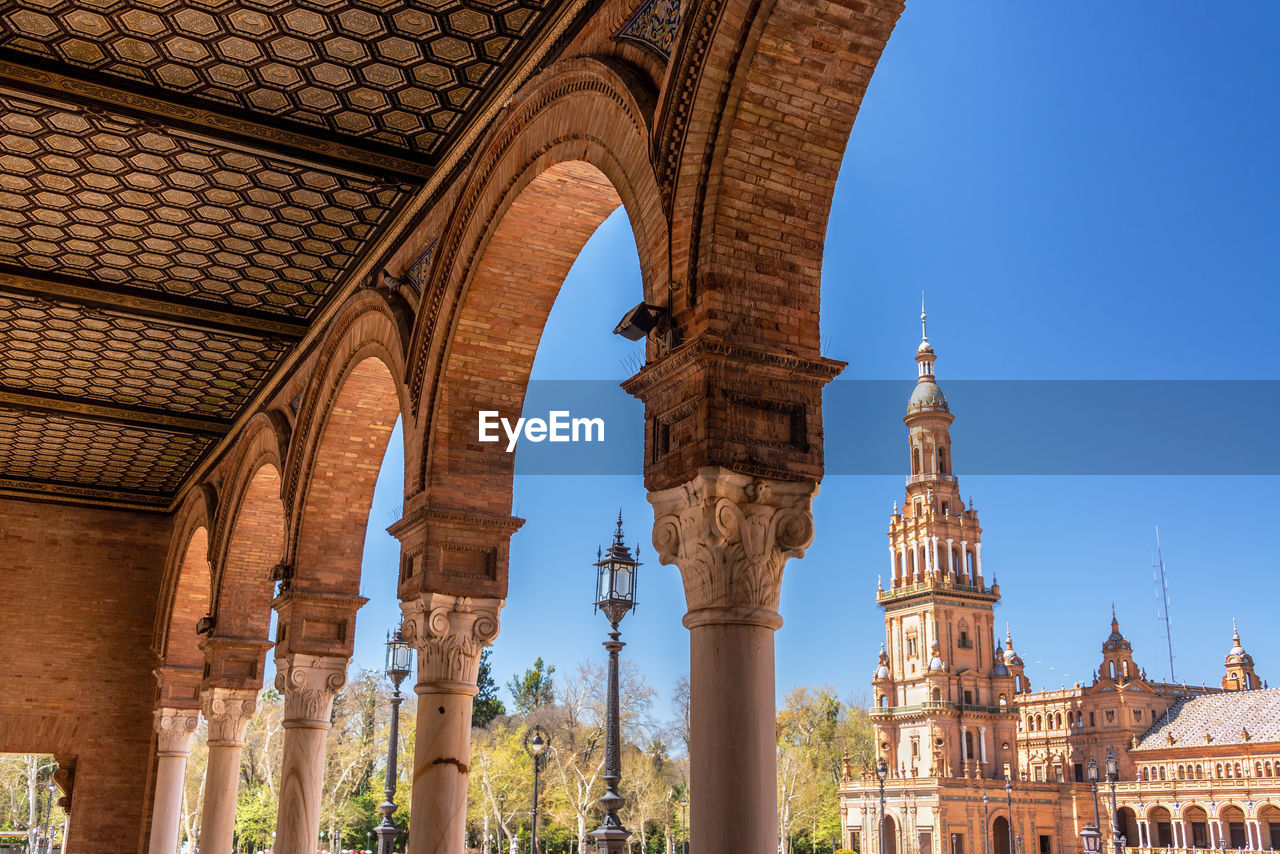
x=1162, y=595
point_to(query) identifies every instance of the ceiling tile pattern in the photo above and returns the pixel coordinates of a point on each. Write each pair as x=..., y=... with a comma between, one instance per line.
x=398, y=72
x=53, y=449
x=126, y=203
x=73, y=352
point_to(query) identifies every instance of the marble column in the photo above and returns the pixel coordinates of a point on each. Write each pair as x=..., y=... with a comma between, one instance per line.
x=173, y=735
x=449, y=633
x=308, y=684
x=228, y=711
x=731, y=535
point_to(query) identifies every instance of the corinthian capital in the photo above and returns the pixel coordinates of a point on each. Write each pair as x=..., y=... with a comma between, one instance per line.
x=173, y=730
x=449, y=633
x=731, y=535
x=228, y=711
x=309, y=683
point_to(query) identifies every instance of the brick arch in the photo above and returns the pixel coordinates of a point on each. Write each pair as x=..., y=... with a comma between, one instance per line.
x=755, y=114
x=570, y=150
x=187, y=586
x=249, y=534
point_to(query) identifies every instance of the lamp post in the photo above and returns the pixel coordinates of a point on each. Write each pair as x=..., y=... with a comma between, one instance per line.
x=1090, y=836
x=536, y=741
x=882, y=771
x=684, y=820
x=1008, y=794
x=1113, y=774
x=502, y=811
x=986, y=825
x=399, y=663
x=48, y=836
x=615, y=596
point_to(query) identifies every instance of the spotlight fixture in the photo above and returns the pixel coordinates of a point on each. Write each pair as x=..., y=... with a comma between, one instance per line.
x=204, y=625
x=640, y=321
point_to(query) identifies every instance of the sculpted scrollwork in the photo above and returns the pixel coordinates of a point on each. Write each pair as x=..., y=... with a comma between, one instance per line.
x=309, y=683
x=731, y=536
x=228, y=711
x=174, y=728
x=449, y=633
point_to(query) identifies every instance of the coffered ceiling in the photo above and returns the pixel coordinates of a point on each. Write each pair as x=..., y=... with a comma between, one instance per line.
x=186, y=186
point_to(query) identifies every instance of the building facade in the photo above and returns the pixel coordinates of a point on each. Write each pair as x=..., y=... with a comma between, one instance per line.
x=976, y=762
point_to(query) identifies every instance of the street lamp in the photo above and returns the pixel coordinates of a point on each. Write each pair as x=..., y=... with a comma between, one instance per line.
x=1113, y=774
x=536, y=741
x=615, y=596
x=1008, y=794
x=502, y=811
x=882, y=771
x=399, y=663
x=1090, y=836
x=986, y=825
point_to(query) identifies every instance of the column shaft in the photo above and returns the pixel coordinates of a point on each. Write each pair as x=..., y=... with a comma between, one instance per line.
x=449, y=632
x=173, y=730
x=228, y=711
x=308, y=684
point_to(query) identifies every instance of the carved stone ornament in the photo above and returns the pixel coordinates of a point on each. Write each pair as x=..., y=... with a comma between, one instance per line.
x=173, y=730
x=449, y=633
x=731, y=536
x=309, y=683
x=228, y=711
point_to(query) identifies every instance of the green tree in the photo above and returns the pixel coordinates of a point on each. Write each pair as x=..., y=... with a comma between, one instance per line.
x=534, y=689
x=486, y=706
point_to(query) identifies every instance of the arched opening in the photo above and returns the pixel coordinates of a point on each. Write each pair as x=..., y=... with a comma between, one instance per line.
x=942, y=461
x=1197, y=820
x=1161, y=824
x=1127, y=821
x=1269, y=826
x=340, y=478
x=1233, y=827
x=890, y=835
x=254, y=546
x=915, y=461
x=1000, y=836
x=179, y=646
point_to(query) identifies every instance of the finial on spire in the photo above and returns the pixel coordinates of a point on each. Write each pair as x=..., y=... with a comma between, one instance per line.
x=1008, y=637
x=924, y=321
x=617, y=535
x=1235, y=632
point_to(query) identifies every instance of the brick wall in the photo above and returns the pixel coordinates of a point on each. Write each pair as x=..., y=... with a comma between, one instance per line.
x=79, y=588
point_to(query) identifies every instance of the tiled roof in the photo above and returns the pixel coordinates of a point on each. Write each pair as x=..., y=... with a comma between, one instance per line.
x=1224, y=717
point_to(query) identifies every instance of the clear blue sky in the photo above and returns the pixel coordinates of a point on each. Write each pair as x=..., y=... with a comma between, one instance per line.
x=1086, y=191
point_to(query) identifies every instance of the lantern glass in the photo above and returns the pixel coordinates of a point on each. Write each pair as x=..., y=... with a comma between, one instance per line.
x=882, y=769
x=1113, y=766
x=1093, y=771
x=399, y=657
x=622, y=579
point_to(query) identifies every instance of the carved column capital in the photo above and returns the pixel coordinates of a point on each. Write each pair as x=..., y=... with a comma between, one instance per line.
x=228, y=711
x=309, y=683
x=449, y=633
x=173, y=730
x=731, y=535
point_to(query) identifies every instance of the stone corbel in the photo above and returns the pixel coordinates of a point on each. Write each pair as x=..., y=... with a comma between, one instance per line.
x=450, y=632
x=309, y=683
x=65, y=778
x=177, y=687
x=174, y=728
x=317, y=624
x=233, y=663
x=451, y=551
x=731, y=535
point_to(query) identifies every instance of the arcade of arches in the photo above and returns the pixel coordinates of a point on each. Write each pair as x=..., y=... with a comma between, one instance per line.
x=225, y=272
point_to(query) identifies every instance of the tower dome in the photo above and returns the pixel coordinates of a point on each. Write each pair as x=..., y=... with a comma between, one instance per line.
x=1239, y=675
x=926, y=395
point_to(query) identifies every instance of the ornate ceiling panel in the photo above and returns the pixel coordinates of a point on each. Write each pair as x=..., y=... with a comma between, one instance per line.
x=403, y=73
x=112, y=199
x=74, y=352
x=187, y=190
x=56, y=453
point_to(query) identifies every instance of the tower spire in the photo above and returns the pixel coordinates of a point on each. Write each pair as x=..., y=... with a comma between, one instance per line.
x=924, y=324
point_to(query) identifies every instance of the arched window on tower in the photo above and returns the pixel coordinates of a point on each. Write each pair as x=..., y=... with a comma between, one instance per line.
x=1112, y=666
x=915, y=461
x=970, y=567
x=942, y=461
x=968, y=745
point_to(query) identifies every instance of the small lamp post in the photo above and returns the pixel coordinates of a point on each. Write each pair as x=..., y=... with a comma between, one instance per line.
x=882, y=771
x=1113, y=774
x=399, y=663
x=502, y=812
x=1090, y=836
x=615, y=596
x=1008, y=794
x=536, y=742
x=986, y=824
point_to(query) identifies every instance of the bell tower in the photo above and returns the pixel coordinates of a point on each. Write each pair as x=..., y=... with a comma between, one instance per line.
x=1239, y=675
x=943, y=690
